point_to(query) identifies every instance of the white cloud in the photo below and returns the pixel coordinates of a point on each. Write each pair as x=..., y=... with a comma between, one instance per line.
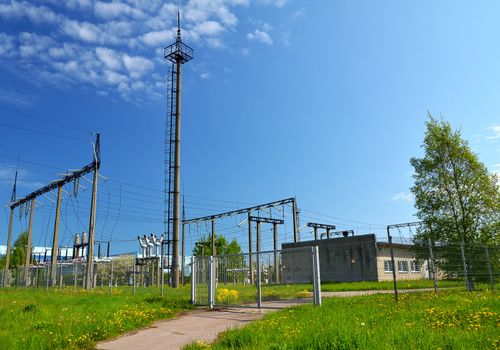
x=84, y=31
x=15, y=98
x=36, y=14
x=137, y=66
x=31, y=44
x=496, y=132
x=286, y=36
x=91, y=41
x=161, y=37
x=260, y=36
x=7, y=46
x=277, y=3
x=202, y=10
x=403, y=196
x=209, y=28
x=109, y=10
x=115, y=78
x=109, y=57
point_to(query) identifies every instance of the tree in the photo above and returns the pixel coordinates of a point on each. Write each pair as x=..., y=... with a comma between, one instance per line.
x=456, y=199
x=455, y=196
x=203, y=247
x=18, y=254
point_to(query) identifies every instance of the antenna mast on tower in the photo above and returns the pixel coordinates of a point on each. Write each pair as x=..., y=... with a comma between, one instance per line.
x=178, y=53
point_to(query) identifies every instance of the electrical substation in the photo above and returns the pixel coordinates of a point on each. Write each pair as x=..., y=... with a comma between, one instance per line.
x=228, y=252
x=164, y=258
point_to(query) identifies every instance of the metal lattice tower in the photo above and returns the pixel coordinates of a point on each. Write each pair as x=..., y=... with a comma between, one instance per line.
x=177, y=53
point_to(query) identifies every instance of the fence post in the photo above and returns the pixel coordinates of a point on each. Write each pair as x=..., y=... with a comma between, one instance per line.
x=193, y=280
x=490, y=272
x=393, y=264
x=316, y=276
x=134, y=278
x=61, y=277
x=75, y=268
x=211, y=282
x=433, y=266
x=465, y=266
x=46, y=277
x=259, y=291
x=111, y=279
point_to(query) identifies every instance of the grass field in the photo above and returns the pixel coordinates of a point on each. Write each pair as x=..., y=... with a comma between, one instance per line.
x=450, y=320
x=231, y=294
x=39, y=319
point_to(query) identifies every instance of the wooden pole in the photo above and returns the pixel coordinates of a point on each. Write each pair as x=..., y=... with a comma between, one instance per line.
x=276, y=270
x=93, y=205
x=6, y=273
x=214, y=250
x=28, y=244
x=55, y=240
x=250, y=258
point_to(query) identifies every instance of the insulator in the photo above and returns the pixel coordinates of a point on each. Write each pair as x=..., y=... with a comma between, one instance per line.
x=78, y=239
x=85, y=239
x=75, y=186
x=20, y=212
x=26, y=210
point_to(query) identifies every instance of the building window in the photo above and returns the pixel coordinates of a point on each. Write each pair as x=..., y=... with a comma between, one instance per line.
x=388, y=268
x=403, y=266
x=415, y=266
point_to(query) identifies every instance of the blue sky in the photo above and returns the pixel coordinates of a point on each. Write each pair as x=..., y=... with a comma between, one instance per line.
x=325, y=101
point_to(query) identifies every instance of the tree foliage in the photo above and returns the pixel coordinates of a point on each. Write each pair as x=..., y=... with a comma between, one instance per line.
x=18, y=252
x=455, y=196
x=204, y=246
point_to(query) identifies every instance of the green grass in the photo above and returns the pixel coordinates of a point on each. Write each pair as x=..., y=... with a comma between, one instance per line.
x=389, y=285
x=247, y=293
x=449, y=320
x=39, y=319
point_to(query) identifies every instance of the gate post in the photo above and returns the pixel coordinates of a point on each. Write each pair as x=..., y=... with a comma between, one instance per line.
x=259, y=292
x=316, y=275
x=193, y=280
x=211, y=282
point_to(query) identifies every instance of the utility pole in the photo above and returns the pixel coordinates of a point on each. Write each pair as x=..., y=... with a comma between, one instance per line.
x=53, y=266
x=275, y=223
x=93, y=205
x=28, y=245
x=177, y=53
x=214, y=252
x=295, y=221
x=315, y=226
x=250, y=257
x=276, y=269
x=6, y=273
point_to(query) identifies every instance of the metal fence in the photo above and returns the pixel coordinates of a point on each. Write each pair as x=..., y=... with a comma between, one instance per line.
x=256, y=279
x=110, y=273
x=441, y=264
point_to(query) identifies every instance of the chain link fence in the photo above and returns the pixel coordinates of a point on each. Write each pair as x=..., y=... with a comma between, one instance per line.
x=429, y=265
x=125, y=271
x=256, y=279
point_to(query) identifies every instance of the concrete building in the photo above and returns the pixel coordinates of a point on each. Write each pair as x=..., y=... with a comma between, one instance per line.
x=351, y=259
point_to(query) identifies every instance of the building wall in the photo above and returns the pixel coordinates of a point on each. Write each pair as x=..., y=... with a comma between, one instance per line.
x=345, y=259
x=401, y=254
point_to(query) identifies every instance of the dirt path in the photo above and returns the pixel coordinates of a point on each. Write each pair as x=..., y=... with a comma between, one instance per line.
x=197, y=325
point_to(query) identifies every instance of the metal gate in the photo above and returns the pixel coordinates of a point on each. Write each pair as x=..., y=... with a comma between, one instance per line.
x=258, y=279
